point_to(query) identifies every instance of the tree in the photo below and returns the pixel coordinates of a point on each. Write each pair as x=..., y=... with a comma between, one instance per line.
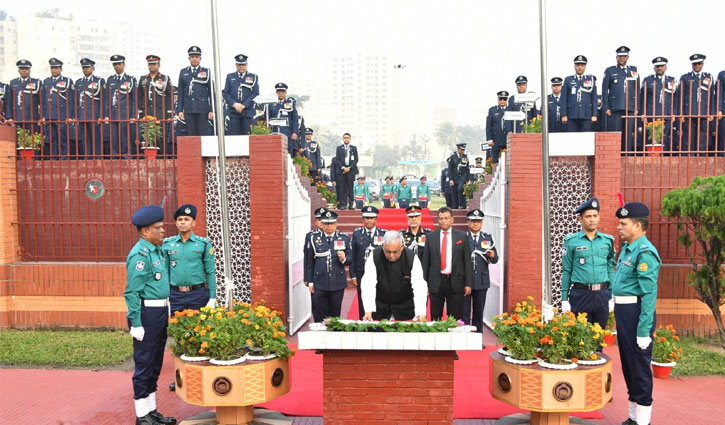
x=385, y=159
x=445, y=135
x=699, y=211
x=328, y=143
x=300, y=99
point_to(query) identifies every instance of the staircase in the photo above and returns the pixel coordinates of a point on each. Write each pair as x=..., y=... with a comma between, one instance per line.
x=348, y=221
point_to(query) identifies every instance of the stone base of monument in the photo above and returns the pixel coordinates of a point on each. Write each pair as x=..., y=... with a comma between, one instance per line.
x=260, y=417
x=528, y=419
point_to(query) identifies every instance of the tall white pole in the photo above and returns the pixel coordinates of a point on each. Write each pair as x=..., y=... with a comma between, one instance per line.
x=548, y=298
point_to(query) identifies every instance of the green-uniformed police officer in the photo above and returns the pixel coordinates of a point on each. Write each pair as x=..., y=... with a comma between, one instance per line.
x=146, y=294
x=587, y=267
x=635, y=295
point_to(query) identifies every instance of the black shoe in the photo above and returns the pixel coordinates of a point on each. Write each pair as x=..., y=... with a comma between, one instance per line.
x=318, y=351
x=161, y=419
x=172, y=386
x=629, y=421
x=149, y=419
x=455, y=356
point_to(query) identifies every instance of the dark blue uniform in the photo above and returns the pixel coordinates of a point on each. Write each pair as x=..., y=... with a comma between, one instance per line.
x=459, y=173
x=480, y=245
x=156, y=98
x=327, y=273
x=497, y=129
x=58, y=105
x=286, y=110
x=620, y=89
x=720, y=107
x=555, y=105
x=23, y=102
x=363, y=242
x=121, y=107
x=518, y=126
x=695, y=100
x=3, y=95
x=446, y=188
x=313, y=153
x=656, y=102
x=195, y=99
x=240, y=88
x=91, y=92
x=579, y=102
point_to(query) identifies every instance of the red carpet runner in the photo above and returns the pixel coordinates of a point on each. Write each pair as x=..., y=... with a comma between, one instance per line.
x=395, y=219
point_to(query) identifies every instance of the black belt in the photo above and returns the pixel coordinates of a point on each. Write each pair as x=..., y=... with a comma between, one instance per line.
x=187, y=288
x=595, y=287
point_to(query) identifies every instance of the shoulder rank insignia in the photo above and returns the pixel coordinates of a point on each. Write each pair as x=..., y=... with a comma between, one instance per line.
x=643, y=267
x=211, y=251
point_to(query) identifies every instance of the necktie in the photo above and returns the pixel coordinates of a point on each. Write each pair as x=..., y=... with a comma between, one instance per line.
x=370, y=235
x=444, y=251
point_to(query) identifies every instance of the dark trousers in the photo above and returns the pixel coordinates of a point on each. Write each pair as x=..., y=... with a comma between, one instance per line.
x=148, y=354
x=193, y=300
x=90, y=141
x=579, y=125
x=459, y=198
x=239, y=126
x=403, y=203
x=196, y=124
x=449, y=199
x=445, y=295
x=423, y=204
x=56, y=140
x=720, y=142
x=496, y=152
x=635, y=361
x=594, y=303
x=326, y=304
x=123, y=139
x=616, y=122
x=360, y=308
x=359, y=204
x=346, y=189
x=696, y=136
x=386, y=203
x=478, y=299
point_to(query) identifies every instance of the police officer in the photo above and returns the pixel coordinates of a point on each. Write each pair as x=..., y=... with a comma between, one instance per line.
x=240, y=89
x=446, y=188
x=195, y=95
x=300, y=144
x=146, y=294
x=3, y=95
x=386, y=192
x=121, y=109
x=459, y=174
x=496, y=127
x=720, y=110
x=587, y=267
x=325, y=275
x=314, y=154
x=554, y=105
x=579, y=103
x=403, y=193
x=285, y=110
x=58, y=97
x=308, y=252
x=483, y=253
x=180, y=128
x=364, y=240
x=91, y=91
x=620, y=88
x=635, y=295
x=22, y=105
x=656, y=101
x=529, y=108
x=361, y=192
x=694, y=102
x=422, y=193
x=414, y=235
x=155, y=98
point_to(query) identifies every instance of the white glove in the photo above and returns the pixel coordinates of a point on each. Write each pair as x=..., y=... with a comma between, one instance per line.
x=644, y=342
x=565, y=306
x=611, y=304
x=137, y=333
x=211, y=303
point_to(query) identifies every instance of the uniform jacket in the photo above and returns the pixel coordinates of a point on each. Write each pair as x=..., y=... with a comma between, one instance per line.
x=156, y=96
x=286, y=109
x=479, y=258
x=90, y=98
x=191, y=262
x=315, y=157
x=415, y=241
x=326, y=271
x=23, y=99
x=518, y=126
x=586, y=261
x=445, y=186
x=58, y=98
x=195, y=91
x=620, y=88
x=461, y=267
x=657, y=95
x=147, y=278
x=121, y=97
x=241, y=88
x=458, y=170
x=496, y=126
x=695, y=94
x=362, y=245
x=579, y=97
x=555, y=105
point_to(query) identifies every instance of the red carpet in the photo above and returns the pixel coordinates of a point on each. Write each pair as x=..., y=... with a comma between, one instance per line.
x=395, y=219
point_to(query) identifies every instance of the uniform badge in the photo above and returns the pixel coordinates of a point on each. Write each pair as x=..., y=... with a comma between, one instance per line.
x=587, y=83
x=421, y=240
x=157, y=276
x=157, y=262
x=643, y=267
x=339, y=245
x=211, y=251
x=173, y=263
x=202, y=74
x=60, y=84
x=484, y=244
x=624, y=212
x=174, y=251
x=187, y=210
x=595, y=204
x=248, y=80
x=378, y=240
x=633, y=73
x=706, y=81
x=563, y=251
x=318, y=241
x=140, y=265
x=582, y=260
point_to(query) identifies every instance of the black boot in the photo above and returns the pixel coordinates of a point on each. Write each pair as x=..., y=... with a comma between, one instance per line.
x=149, y=419
x=161, y=419
x=172, y=386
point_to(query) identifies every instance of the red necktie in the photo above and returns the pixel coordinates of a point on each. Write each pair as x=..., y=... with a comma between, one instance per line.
x=444, y=251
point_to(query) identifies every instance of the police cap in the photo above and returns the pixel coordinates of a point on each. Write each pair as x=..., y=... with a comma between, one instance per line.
x=402, y=178
x=23, y=63
x=329, y=217
x=369, y=211
x=503, y=94
x=361, y=177
x=580, y=59
x=479, y=159
x=623, y=51
x=461, y=145
x=697, y=58
x=521, y=79
x=55, y=62
x=633, y=210
x=194, y=50
x=659, y=61
x=591, y=204
x=309, y=131
x=186, y=209
x=413, y=211
x=475, y=214
x=556, y=81
x=423, y=178
x=118, y=59
x=240, y=59
x=152, y=59
x=87, y=62
x=320, y=211
x=148, y=215
x=280, y=87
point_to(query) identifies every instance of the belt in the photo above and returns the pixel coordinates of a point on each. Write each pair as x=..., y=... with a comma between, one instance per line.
x=596, y=287
x=626, y=299
x=156, y=303
x=186, y=288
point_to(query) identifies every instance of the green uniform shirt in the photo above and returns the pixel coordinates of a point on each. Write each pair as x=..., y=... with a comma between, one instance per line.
x=586, y=261
x=637, y=271
x=147, y=278
x=423, y=190
x=405, y=192
x=362, y=189
x=387, y=188
x=191, y=262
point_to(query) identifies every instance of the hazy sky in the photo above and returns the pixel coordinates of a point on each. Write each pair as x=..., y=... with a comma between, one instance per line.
x=457, y=53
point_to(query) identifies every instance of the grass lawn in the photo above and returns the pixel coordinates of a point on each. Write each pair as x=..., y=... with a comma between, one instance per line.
x=64, y=348
x=700, y=357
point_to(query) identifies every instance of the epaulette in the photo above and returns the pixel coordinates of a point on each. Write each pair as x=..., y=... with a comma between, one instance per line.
x=608, y=236
x=569, y=236
x=427, y=229
x=143, y=253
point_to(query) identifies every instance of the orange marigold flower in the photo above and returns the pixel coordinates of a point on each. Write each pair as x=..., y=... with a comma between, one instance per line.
x=677, y=338
x=204, y=344
x=201, y=351
x=663, y=339
x=574, y=360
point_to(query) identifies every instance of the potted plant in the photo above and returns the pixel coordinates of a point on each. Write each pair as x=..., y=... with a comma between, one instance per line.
x=655, y=135
x=328, y=194
x=260, y=128
x=152, y=132
x=264, y=331
x=28, y=143
x=533, y=126
x=611, y=327
x=561, y=339
x=520, y=332
x=184, y=327
x=666, y=351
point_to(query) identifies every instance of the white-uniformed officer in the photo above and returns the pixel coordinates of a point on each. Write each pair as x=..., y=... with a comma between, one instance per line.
x=579, y=104
x=194, y=105
x=240, y=89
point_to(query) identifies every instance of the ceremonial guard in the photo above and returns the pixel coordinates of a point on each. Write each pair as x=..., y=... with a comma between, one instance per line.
x=579, y=103
x=414, y=235
x=3, y=94
x=635, y=295
x=347, y=158
x=361, y=192
x=155, y=98
x=90, y=114
x=694, y=101
x=58, y=110
x=147, y=300
x=555, y=104
x=364, y=240
x=587, y=267
x=284, y=112
x=657, y=100
x=300, y=144
x=195, y=95
x=720, y=111
x=483, y=253
x=308, y=252
x=315, y=156
x=496, y=127
x=423, y=193
x=459, y=174
x=403, y=193
x=325, y=275
x=122, y=109
x=528, y=108
x=387, y=193
x=22, y=99
x=446, y=187
x=620, y=88
x=240, y=89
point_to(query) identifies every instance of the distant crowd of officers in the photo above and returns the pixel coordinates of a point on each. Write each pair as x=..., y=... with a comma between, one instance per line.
x=682, y=117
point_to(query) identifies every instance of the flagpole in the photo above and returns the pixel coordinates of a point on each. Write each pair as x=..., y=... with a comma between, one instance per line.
x=546, y=231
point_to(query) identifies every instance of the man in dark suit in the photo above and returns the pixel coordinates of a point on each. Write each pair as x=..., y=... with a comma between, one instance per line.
x=347, y=158
x=447, y=267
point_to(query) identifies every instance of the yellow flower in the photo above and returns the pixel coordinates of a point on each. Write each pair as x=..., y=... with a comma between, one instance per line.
x=581, y=342
x=202, y=317
x=249, y=342
x=256, y=327
x=212, y=335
